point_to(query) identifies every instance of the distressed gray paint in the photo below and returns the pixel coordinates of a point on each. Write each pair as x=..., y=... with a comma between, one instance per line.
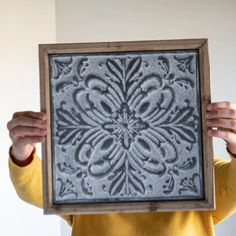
x=126, y=127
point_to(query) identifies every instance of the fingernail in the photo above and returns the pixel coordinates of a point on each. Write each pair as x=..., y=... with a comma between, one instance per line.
x=209, y=107
x=209, y=122
x=42, y=116
x=208, y=114
x=209, y=132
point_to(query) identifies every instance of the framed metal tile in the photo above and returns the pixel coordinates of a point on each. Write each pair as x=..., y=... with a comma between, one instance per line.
x=127, y=128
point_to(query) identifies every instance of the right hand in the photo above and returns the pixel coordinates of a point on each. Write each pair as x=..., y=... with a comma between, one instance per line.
x=26, y=128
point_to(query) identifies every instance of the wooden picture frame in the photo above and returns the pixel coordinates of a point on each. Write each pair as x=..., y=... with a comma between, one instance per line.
x=126, y=127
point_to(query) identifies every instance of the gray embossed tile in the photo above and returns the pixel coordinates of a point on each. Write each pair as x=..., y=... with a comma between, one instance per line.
x=126, y=126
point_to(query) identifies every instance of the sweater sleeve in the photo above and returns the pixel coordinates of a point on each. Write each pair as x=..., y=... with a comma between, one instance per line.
x=27, y=182
x=225, y=188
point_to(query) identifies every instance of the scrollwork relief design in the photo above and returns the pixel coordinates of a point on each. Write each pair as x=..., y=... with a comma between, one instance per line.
x=124, y=125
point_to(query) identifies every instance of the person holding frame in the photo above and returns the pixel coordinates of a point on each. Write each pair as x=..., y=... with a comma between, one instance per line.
x=27, y=128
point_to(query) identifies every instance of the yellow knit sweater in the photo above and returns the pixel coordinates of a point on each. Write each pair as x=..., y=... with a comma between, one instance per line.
x=28, y=184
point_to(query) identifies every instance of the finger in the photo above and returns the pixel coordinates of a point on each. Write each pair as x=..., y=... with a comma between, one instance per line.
x=21, y=131
x=222, y=123
x=26, y=121
x=223, y=129
x=221, y=105
x=32, y=114
x=23, y=141
x=228, y=136
x=221, y=113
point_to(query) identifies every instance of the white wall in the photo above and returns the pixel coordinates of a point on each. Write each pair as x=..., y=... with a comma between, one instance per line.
x=23, y=24
x=107, y=20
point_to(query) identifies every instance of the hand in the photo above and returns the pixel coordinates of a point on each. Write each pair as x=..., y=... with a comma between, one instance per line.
x=221, y=121
x=25, y=130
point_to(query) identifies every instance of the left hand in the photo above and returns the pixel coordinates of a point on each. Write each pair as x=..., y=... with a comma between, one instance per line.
x=221, y=122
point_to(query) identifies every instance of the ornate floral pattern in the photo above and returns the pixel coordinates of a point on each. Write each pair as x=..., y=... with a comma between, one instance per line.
x=127, y=126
